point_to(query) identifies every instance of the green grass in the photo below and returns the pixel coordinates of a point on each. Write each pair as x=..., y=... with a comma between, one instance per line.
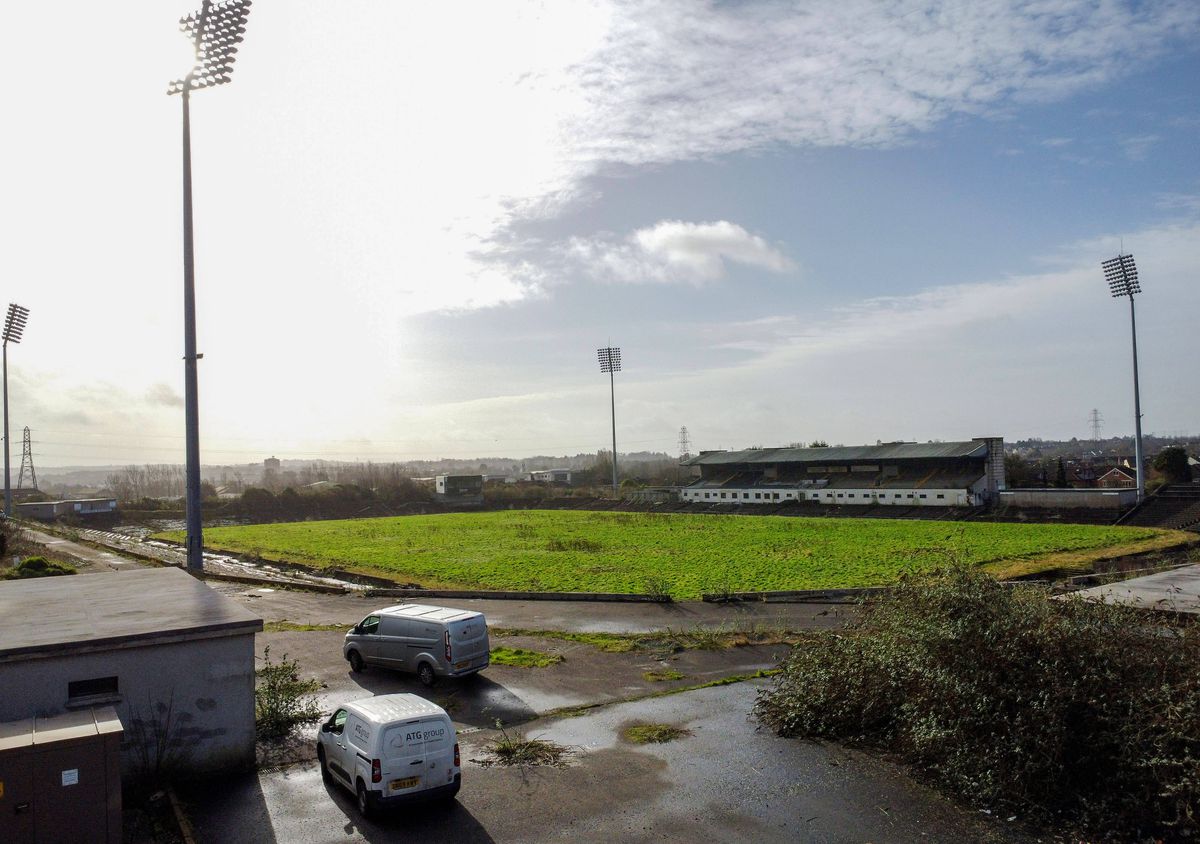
x=662, y=676
x=292, y=627
x=523, y=658
x=654, y=733
x=685, y=554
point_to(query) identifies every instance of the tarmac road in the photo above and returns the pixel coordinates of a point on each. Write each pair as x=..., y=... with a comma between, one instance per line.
x=727, y=781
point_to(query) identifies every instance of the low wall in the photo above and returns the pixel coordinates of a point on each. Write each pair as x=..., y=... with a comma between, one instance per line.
x=1092, y=499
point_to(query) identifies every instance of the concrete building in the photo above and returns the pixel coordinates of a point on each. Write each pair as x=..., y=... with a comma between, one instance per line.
x=173, y=657
x=942, y=474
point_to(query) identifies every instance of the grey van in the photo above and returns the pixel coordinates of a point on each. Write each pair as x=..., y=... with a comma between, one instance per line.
x=428, y=641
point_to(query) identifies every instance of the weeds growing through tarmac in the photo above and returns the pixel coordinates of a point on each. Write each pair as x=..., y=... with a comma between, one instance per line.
x=515, y=751
x=654, y=733
x=522, y=658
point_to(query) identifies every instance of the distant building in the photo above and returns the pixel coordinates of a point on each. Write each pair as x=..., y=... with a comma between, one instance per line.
x=942, y=474
x=1117, y=478
x=271, y=464
x=551, y=476
x=48, y=511
x=458, y=489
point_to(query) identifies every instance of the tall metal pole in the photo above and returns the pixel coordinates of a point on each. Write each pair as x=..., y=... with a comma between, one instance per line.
x=1137, y=411
x=612, y=390
x=215, y=31
x=195, y=539
x=7, y=486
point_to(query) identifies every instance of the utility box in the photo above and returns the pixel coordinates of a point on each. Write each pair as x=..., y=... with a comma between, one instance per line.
x=60, y=778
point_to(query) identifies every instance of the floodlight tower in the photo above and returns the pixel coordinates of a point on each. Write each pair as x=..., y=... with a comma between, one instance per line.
x=14, y=325
x=215, y=31
x=1122, y=277
x=610, y=362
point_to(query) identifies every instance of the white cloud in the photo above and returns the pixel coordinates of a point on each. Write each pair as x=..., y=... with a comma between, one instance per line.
x=676, y=251
x=1136, y=148
x=164, y=395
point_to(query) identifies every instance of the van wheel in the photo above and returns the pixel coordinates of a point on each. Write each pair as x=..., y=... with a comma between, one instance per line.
x=356, y=662
x=365, y=807
x=425, y=674
x=326, y=777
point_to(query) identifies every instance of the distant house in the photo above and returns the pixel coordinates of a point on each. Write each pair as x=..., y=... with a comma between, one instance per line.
x=1117, y=477
x=173, y=657
x=48, y=511
x=551, y=476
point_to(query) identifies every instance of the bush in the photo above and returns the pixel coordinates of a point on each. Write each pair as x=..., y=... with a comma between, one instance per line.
x=282, y=701
x=1083, y=711
x=37, y=567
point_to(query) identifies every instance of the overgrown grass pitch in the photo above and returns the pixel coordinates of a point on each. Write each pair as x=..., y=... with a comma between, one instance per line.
x=681, y=554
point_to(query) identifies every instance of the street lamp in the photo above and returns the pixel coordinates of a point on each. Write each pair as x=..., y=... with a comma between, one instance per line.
x=1122, y=277
x=14, y=325
x=215, y=31
x=610, y=362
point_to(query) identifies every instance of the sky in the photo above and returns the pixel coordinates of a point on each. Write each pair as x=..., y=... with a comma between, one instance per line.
x=416, y=222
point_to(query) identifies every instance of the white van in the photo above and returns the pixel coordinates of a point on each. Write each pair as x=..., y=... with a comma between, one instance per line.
x=428, y=641
x=390, y=750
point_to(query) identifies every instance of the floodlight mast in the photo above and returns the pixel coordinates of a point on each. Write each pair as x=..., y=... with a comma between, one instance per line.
x=610, y=362
x=14, y=326
x=1122, y=277
x=215, y=31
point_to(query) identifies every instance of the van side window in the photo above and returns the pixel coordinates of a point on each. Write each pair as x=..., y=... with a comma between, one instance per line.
x=370, y=625
x=338, y=722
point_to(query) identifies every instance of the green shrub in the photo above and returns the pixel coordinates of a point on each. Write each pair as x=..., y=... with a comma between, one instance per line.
x=283, y=701
x=37, y=567
x=1081, y=711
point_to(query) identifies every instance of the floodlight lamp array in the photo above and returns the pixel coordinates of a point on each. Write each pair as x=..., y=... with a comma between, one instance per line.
x=14, y=323
x=215, y=30
x=1122, y=276
x=610, y=359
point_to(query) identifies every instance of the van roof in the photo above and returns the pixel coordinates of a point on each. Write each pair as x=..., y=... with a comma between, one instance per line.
x=427, y=612
x=395, y=707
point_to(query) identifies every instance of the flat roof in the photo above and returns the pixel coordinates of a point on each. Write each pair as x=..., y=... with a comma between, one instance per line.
x=839, y=453
x=46, y=616
x=395, y=707
x=428, y=612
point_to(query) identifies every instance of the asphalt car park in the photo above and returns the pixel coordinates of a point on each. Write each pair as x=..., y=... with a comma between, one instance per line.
x=725, y=781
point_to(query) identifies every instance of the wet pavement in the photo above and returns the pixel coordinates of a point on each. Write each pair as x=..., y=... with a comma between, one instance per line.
x=1177, y=590
x=726, y=781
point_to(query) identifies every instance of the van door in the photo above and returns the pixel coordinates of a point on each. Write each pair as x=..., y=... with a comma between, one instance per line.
x=335, y=757
x=469, y=647
x=418, y=754
x=423, y=640
x=367, y=638
x=392, y=641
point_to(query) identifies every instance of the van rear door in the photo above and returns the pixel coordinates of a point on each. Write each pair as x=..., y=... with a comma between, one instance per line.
x=418, y=754
x=469, y=647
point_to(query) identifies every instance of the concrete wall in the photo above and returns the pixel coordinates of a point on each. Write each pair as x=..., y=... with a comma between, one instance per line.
x=201, y=690
x=1097, y=499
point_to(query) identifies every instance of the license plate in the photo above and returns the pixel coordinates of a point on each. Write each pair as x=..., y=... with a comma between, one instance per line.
x=464, y=664
x=407, y=782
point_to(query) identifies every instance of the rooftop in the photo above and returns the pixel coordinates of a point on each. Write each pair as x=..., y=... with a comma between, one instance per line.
x=59, y=615
x=842, y=453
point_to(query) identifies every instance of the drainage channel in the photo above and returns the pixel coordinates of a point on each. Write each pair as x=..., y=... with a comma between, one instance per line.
x=214, y=563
